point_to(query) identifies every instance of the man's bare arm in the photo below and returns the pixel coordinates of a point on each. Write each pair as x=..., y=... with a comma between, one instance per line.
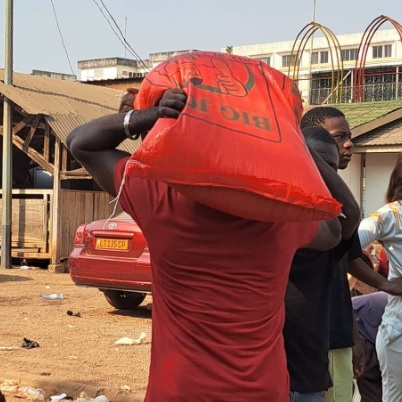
x=360, y=270
x=94, y=144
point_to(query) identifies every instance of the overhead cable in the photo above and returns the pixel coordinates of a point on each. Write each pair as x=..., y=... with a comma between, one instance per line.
x=119, y=33
x=62, y=39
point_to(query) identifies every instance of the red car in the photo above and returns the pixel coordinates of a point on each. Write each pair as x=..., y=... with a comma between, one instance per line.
x=112, y=255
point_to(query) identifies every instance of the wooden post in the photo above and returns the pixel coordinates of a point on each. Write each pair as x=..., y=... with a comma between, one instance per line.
x=46, y=145
x=55, y=265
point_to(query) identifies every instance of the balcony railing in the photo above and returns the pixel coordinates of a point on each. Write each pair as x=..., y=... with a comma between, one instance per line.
x=372, y=92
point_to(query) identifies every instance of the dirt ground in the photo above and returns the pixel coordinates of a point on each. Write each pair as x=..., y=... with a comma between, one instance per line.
x=75, y=353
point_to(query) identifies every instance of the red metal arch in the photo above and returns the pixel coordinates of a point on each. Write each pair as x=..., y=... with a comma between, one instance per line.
x=360, y=71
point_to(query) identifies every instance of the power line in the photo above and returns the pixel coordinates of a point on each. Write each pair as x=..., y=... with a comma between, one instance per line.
x=62, y=39
x=119, y=34
x=122, y=35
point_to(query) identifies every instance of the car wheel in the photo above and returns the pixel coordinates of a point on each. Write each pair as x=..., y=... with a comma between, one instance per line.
x=123, y=300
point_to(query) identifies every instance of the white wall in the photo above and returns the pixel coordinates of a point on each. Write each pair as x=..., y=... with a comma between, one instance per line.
x=352, y=176
x=378, y=170
x=120, y=69
x=103, y=73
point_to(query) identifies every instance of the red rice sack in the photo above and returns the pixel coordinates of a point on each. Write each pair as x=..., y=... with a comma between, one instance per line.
x=236, y=146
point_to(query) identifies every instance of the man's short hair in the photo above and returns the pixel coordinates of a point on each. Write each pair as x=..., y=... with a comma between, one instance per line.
x=318, y=115
x=319, y=134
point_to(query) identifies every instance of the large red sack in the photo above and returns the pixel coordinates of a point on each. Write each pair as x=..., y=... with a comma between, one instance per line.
x=237, y=146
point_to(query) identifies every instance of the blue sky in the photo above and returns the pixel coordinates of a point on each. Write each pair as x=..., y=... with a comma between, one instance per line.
x=157, y=25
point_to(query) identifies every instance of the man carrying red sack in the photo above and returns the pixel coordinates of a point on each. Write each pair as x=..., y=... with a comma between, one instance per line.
x=218, y=280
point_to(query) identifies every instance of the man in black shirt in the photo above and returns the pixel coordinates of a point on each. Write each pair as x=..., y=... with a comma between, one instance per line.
x=346, y=353
x=307, y=299
x=340, y=307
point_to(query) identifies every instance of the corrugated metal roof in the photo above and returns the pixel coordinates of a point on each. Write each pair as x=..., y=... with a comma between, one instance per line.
x=65, y=104
x=359, y=114
x=68, y=104
x=390, y=134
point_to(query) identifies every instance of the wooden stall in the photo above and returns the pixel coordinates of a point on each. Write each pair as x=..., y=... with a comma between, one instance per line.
x=45, y=111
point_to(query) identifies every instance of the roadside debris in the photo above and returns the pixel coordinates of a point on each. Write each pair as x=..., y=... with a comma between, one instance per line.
x=9, y=347
x=85, y=398
x=69, y=312
x=130, y=341
x=31, y=393
x=24, y=264
x=60, y=397
x=125, y=388
x=8, y=386
x=53, y=296
x=28, y=344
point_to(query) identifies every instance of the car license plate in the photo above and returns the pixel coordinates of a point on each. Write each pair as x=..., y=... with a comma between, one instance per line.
x=111, y=244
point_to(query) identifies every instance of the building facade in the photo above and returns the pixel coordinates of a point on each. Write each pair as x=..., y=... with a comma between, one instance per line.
x=374, y=110
x=314, y=72
x=117, y=68
x=318, y=61
x=112, y=68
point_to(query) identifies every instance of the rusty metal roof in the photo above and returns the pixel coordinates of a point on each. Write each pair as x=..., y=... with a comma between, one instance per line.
x=64, y=104
x=373, y=123
x=68, y=104
x=390, y=134
x=362, y=113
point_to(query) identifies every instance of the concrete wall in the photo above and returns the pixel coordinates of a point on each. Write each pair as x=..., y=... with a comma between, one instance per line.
x=352, y=177
x=108, y=73
x=375, y=179
x=376, y=176
x=378, y=170
x=105, y=73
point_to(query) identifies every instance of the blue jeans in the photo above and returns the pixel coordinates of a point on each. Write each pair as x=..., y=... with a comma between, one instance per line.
x=313, y=397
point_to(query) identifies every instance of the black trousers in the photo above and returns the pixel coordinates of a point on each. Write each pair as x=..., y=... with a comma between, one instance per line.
x=369, y=383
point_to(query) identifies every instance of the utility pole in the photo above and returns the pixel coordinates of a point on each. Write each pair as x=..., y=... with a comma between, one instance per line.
x=314, y=7
x=7, y=139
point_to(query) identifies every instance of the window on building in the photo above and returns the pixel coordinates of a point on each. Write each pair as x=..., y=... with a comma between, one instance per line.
x=125, y=73
x=382, y=51
x=320, y=57
x=387, y=50
x=314, y=58
x=349, y=54
x=266, y=60
x=288, y=61
x=377, y=52
x=324, y=57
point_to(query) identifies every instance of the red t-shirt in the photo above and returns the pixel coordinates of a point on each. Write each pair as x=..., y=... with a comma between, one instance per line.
x=218, y=284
